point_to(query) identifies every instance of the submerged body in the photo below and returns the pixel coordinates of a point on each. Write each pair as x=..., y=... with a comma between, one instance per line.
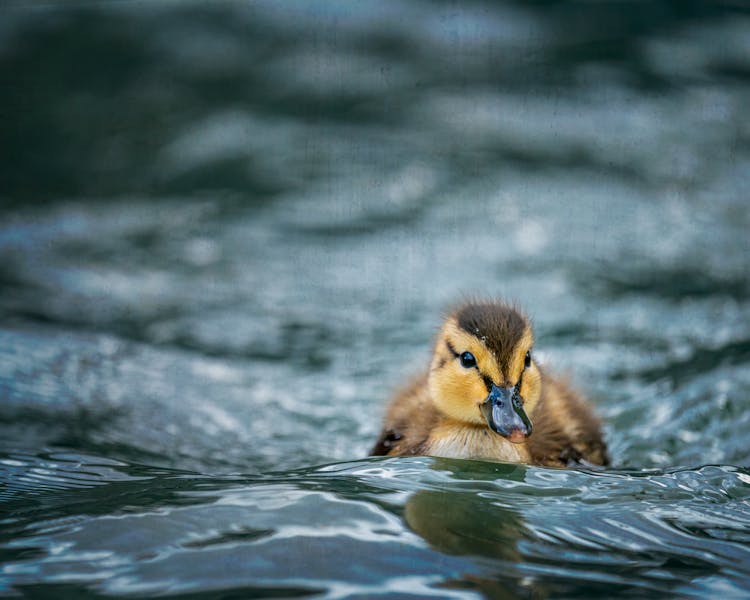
x=485, y=397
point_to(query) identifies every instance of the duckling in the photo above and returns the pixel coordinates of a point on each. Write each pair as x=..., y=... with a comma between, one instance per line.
x=486, y=397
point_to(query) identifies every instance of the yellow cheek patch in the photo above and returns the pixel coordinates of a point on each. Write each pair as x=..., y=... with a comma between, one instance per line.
x=466, y=387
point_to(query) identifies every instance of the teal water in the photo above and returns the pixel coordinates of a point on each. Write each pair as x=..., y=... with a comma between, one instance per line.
x=423, y=527
x=229, y=230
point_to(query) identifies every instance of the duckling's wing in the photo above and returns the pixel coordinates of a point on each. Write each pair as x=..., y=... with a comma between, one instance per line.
x=567, y=432
x=386, y=442
x=408, y=421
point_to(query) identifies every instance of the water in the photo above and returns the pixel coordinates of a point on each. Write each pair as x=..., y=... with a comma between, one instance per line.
x=229, y=230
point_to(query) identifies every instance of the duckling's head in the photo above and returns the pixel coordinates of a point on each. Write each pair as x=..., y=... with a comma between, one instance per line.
x=483, y=371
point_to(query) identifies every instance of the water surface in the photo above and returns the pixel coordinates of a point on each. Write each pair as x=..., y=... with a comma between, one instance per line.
x=229, y=230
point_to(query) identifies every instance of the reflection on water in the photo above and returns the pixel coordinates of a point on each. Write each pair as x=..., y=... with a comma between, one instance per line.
x=469, y=521
x=431, y=527
x=227, y=230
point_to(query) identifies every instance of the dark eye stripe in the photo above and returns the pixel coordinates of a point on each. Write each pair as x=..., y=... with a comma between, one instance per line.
x=488, y=383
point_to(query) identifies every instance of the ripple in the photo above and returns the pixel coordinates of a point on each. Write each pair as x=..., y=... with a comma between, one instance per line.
x=228, y=232
x=423, y=522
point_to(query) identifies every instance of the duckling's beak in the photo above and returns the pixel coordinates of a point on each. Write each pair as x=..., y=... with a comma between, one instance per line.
x=505, y=415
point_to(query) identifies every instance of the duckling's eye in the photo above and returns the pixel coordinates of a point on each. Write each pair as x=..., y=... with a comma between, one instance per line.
x=527, y=360
x=467, y=360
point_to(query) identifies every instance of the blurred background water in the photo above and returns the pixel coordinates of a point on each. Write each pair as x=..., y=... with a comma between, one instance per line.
x=229, y=229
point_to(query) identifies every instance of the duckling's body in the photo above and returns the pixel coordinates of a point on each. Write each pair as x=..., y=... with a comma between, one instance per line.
x=485, y=397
